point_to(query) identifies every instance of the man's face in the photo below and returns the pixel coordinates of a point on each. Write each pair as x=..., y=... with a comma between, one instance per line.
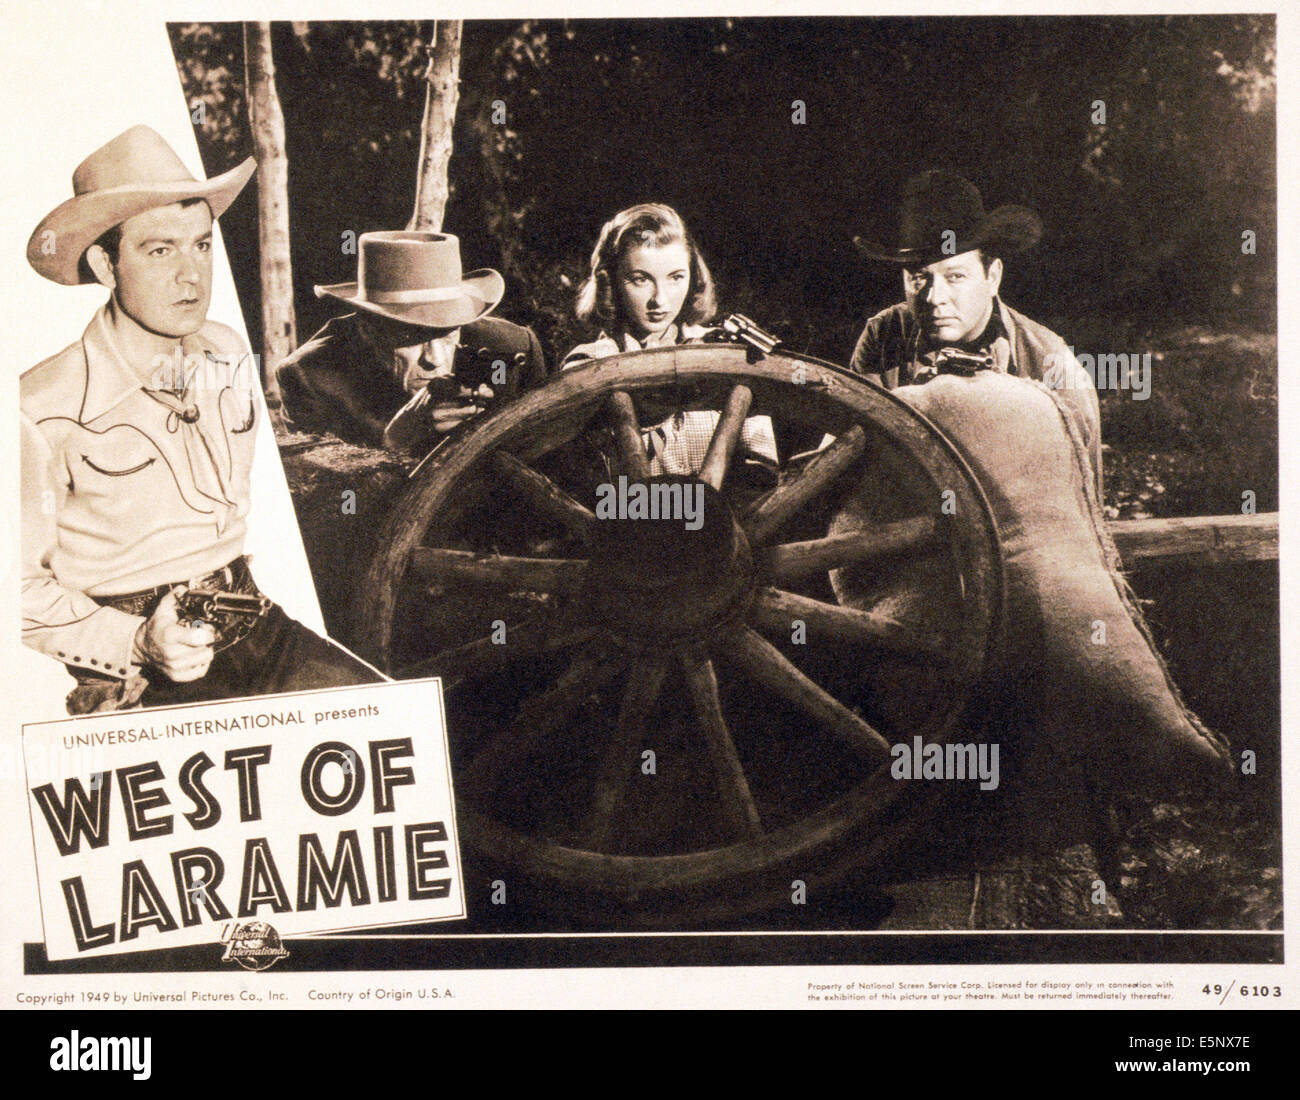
x=426, y=363
x=953, y=298
x=163, y=275
x=417, y=358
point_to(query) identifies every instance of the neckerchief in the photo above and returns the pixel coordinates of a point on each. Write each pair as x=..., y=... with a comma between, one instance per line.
x=966, y=357
x=183, y=416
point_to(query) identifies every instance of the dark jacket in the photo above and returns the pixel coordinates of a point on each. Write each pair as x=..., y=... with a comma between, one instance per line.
x=333, y=383
x=888, y=349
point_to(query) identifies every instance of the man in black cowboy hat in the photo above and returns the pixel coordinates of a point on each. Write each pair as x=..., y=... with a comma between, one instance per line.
x=137, y=450
x=952, y=319
x=419, y=355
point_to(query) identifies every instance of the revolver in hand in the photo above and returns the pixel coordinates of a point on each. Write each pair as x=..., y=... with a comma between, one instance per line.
x=225, y=612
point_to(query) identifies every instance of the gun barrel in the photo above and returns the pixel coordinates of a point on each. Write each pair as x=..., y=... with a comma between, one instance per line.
x=238, y=603
x=197, y=603
x=743, y=328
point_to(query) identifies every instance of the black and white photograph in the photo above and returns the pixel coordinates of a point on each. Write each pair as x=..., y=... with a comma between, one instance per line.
x=827, y=464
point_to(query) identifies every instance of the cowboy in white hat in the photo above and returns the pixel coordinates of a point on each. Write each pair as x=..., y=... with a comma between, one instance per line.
x=952, y=318
x=137, y=447
x=418, y=355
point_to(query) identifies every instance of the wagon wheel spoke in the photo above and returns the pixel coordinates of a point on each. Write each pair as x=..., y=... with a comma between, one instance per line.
x=759, y=659
x=791, y=561
x=737, y=807
x=627, y=437
x=541, y=493
x=725, y=436
x=438, y=565
x=539, y=634
x=639, y=697
x=540, y=716
x=647, y=857
x=775, y=609
x=783, y=502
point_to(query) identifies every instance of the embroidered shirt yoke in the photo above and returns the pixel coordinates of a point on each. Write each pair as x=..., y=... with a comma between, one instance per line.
x=128, y=484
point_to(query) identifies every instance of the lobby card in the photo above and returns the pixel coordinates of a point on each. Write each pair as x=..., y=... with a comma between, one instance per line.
x=306, y=814
x=632, y=807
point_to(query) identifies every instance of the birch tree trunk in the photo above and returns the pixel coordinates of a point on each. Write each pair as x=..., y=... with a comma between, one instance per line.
x=279, y=329
x=441, y=97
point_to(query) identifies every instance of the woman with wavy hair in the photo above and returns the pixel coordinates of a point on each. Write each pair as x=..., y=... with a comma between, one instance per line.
x=649, y=287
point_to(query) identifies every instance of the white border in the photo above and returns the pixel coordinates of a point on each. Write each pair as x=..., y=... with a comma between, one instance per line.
x=67, y=90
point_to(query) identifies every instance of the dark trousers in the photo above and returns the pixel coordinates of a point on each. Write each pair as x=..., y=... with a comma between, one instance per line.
x=278, y=654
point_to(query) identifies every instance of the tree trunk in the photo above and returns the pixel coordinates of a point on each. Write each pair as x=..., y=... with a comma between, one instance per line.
x=266, y=120
x=441, y=97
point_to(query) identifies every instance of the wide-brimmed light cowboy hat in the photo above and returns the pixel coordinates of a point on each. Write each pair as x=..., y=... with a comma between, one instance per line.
x=135, y=172
x=943, y=215
x=414, y=277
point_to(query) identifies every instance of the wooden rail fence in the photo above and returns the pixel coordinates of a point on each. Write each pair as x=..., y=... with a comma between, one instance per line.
x=1198, y=540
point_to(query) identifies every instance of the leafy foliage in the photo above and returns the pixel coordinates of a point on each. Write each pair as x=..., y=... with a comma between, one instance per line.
x=561, y=123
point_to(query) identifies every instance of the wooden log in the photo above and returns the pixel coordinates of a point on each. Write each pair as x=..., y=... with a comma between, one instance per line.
x=777, y=610
x=1199, y=540
x=527, y=639
x=538, y=718
x=823, y=468
x=736, y=803
x=627, y=437
x=544, y=495
x=757, y=658
x=1033, y=890
x=621, y=754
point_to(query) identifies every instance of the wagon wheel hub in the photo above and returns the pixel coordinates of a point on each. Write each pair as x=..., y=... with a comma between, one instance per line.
x=669, y=565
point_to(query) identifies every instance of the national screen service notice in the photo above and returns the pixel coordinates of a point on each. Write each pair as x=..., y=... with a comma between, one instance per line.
x=310, y=812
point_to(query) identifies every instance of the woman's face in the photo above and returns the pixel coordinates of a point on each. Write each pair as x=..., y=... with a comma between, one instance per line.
x=653, y=281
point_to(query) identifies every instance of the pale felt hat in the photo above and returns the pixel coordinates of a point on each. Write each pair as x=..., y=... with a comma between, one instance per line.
x=415, y=277
x=135, y=172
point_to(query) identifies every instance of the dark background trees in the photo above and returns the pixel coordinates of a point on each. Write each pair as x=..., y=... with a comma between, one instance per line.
x=1144, y=211
x=561, y=123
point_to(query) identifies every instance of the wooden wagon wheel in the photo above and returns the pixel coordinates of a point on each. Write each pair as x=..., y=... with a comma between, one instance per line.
x=572, y=646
